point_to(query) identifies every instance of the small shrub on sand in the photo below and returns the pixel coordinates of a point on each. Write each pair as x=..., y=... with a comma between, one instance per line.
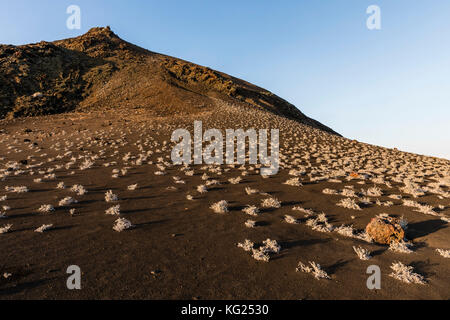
x=46, y=208
x=247, y=245
x=44, y=228
x=5, y=228
x=295, y=182
x=406, y=274
x=202, y=189
x=271, y=203
x=79, y=189
x=251, y=210
x=132, y=187
x=400, y=247
x=290, y=219
x=114, y=211
x=250, y=223
x=349, y=204
x=67, y=201
x=122, y=224
x=220, y=207
x=110, y=196
x=362, y=253
x=444, y=253
x=315, y=270
x=250, y=191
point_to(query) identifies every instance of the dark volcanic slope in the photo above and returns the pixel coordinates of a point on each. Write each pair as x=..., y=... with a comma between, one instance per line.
x=98, y=70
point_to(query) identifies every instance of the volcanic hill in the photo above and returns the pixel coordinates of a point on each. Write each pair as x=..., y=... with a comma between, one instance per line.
x=98, y=71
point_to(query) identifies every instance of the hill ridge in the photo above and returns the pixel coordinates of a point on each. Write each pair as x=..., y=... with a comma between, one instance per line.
x=98, y=70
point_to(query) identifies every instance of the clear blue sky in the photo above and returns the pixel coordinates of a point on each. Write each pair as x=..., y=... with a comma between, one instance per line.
x=388, y=87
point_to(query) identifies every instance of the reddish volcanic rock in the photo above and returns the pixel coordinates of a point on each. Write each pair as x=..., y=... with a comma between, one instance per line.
x=385, y=230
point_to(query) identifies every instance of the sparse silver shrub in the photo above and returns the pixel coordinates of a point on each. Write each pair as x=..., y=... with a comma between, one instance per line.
x=115, y=211
x=412, y=188
x=122, y=224
x=295, y=182
x=348, y=192
x=444, y=253
x=318, y=225
x=315, y=270
x=271, y=246
x=400, y=247
x=260, y=255
x=247, y=245
x=290, y=219
x=202, y=188
x=346, y=231
x=263, y=252
x=307, y=212
x=20, y=189
x=271, y=203
x=110, y=196
x=44, y=228
x=67, y=201
x=79, y=189
x=406, y=274
x=363, y=254
x=220, y=207
x=5, y=228
x=251, y=191
x=87, y=164
x=329, y=191
x=374, y=192
x=251, y=210
x=46, y=208
x=132, y=187
x=250, y=223
x=349, y=204
x=235, y=180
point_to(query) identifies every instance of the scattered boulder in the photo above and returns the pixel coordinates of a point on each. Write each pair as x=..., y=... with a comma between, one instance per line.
x=385, y=230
